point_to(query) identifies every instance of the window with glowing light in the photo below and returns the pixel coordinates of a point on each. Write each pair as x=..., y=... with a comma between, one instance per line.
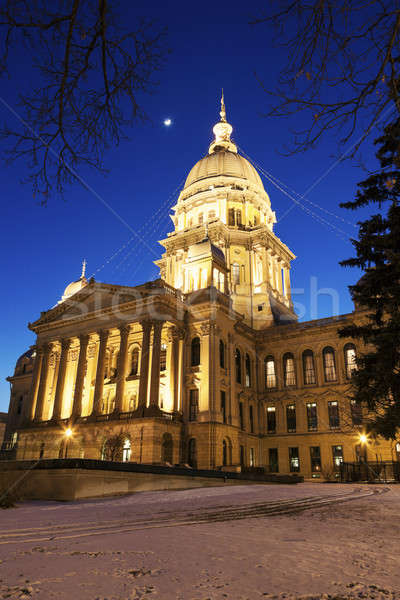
x=294, y=460
x=291, y=418
x=308, y=367
x=271, y=419
x=312, y=417
x=356, y=412
x=337, y=457
x=269, y=372
x=248, y=370
x=328, y=355
x=315, y=456
x=350, y=359
x=333, y=412
x=289, y=370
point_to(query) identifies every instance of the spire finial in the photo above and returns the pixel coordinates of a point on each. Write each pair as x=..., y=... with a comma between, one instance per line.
x=222, y=131
x=223, y=111
x=83, y=268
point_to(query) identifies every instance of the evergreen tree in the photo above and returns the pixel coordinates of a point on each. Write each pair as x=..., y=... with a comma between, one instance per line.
x=377, y=378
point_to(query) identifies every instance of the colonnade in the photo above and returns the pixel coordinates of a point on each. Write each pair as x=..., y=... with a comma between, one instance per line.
x=149, y=377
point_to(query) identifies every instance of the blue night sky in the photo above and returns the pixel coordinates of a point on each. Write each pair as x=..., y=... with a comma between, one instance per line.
x=43, y=247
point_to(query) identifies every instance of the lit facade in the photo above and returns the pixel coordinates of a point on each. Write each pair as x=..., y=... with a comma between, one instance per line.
x=206, y=366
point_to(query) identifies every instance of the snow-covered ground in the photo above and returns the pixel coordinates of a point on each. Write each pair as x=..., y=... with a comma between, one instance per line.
x=240, y=542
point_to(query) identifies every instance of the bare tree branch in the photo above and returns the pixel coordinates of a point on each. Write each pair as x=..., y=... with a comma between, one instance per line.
x=92, y=76
x=342, y=70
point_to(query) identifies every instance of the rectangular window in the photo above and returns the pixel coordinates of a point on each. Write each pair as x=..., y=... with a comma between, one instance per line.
x=289, y=370
x=312, y=418
x=163, y=357
x=337, y=455
x=333, y=412
x=252, y=460
x=315, y=456
x=291, y=418
x=356, y=412
x=251, y=417
x=223, y=405
x=193, y=404
x=231, y=217
x=271, y=419
x=273, y=460
x=294, y=460
x=235, y=273
x=241, y=418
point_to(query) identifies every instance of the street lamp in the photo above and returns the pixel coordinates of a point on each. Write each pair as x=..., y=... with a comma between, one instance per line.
x=68, y=435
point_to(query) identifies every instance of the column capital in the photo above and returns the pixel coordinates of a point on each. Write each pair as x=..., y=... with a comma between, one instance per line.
x=158, y=324
x=124, y=330
x=65, y=343
x=146, y=324
x=103, y=334
x=84, y=339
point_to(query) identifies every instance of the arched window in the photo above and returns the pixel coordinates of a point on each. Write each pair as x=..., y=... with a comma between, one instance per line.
x=195, y=352
x=134, y=362
x=235, y=273
x=167, y=448
x=201, y=218
x=248, y=370
x=126, y=450
x=238, y=366
x=308, y=367
x=289, y=372
x=269, y=372
x=221, y=354
x=192, y=453
x=224, y=453
x=350, y=359
x=328, y=355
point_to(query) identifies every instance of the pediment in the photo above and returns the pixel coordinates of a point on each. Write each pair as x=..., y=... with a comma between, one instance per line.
x=92, y=299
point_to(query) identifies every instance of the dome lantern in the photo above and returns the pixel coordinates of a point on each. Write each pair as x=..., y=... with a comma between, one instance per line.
x=222, y=132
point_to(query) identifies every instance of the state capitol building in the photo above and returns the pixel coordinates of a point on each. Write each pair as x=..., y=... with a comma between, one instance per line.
x=205, y=366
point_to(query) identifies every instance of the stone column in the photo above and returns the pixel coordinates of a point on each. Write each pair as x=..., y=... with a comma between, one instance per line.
x=172, y=366
x=101, y=362
x=58, y=400
x=35, y=381
x=155, y=363
x=80, y=375
x=121, y=368
x=287, y=283
x=41, y=396
x=180, y=371
x=144, y=363
x=233, y=401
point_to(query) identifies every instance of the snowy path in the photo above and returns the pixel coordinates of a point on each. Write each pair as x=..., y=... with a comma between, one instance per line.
x=244, y=542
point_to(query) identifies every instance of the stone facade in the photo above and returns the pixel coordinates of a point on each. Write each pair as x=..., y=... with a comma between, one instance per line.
x=207, y=365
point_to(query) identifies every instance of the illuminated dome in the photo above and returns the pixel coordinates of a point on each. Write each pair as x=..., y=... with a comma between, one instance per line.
x=223, y=162
x=75, y=286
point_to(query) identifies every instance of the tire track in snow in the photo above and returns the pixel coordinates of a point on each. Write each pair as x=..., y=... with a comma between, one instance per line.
x=173, y=519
